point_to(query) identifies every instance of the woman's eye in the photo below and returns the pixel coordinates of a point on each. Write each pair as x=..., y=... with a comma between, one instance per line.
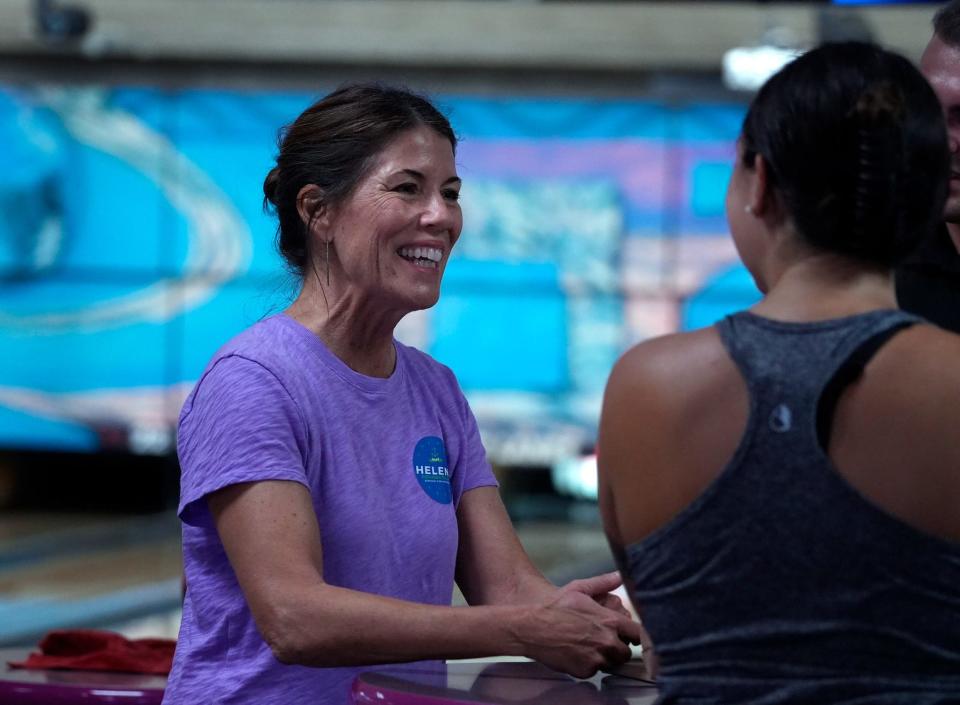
x=406, y=188
x=451, y=195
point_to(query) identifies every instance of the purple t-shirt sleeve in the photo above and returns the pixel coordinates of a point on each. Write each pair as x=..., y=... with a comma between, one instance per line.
x=239, y=425
x=473, y=469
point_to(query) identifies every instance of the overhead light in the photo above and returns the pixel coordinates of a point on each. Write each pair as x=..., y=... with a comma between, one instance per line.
x=748, y=68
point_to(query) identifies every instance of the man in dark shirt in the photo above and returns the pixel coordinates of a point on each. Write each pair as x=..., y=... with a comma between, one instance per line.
x=928, y=283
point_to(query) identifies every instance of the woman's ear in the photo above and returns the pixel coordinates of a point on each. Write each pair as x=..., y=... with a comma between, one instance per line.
x=761, y=191
x=311, y=207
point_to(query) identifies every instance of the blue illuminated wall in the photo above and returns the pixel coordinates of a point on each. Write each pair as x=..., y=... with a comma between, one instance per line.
x=132, y=245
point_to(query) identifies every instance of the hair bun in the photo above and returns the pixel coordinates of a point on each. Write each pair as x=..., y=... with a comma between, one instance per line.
x=270, y=185
x=881, y=103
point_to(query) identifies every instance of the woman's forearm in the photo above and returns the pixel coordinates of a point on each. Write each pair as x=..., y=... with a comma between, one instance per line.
x=529, y=587
x=325, y=625
x=270, y=534
x=492, y=566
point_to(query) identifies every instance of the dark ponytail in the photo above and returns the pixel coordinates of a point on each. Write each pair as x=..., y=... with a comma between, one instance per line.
x=878, y=199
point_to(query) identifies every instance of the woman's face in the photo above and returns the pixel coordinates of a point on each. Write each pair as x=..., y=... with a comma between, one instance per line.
x=393, y=234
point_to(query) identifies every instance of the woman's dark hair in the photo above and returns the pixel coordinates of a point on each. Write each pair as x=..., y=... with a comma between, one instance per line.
x=332, y=144
x=856, y=147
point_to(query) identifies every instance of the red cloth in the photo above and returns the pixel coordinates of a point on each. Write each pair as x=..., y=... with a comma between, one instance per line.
x=94, y=650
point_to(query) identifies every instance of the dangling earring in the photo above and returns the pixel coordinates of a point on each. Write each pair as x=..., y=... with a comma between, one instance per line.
x=327, y=261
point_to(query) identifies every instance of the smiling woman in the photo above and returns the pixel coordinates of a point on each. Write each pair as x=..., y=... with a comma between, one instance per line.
x=333, y=480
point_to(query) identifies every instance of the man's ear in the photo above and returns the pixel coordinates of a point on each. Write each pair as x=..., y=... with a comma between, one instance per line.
x=311, y=207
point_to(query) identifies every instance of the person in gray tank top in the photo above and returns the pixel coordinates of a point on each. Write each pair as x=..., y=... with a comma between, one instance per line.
x=782, y=490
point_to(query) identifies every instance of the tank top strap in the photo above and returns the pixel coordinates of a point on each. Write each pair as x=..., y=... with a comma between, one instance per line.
x=790, y=367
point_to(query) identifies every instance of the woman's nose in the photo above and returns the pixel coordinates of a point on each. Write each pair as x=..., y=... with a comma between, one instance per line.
x=440, y=213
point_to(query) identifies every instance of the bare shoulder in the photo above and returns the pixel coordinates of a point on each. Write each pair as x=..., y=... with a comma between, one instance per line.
x=930, y=338
x=914, y=383
x=669, y=360
x=920, y=365
x=895, y=429
x=674, y=410
x=938, y=341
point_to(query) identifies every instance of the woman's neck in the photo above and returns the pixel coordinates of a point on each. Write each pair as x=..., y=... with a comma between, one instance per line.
x=360, y=334
x=821, y=286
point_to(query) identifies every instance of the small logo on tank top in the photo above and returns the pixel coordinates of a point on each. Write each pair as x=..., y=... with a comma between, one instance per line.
x=431, y=469
x=781, y=419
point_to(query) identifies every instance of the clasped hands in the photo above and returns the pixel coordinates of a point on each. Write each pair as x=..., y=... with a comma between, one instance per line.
x=583, y=628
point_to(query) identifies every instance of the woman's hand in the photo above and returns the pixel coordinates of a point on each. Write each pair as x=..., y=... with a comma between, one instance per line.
x=600, y=588
x=572, y=633
x=607, y=591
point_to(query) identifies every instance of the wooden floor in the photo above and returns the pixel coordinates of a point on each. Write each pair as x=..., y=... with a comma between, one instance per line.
x=81, y=570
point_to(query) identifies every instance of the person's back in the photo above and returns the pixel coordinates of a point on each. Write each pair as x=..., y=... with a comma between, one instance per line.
x=790, y=571
x=781, y=489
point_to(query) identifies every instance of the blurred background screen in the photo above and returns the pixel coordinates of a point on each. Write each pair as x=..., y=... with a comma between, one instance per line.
x=133, y=244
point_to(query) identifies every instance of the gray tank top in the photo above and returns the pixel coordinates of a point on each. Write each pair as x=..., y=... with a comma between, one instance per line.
x=781, y=583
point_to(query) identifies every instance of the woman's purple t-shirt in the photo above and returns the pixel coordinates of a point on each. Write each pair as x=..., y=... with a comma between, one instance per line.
x=386, y=462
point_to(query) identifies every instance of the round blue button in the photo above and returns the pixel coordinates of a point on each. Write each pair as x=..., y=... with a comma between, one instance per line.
x=431, y=469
